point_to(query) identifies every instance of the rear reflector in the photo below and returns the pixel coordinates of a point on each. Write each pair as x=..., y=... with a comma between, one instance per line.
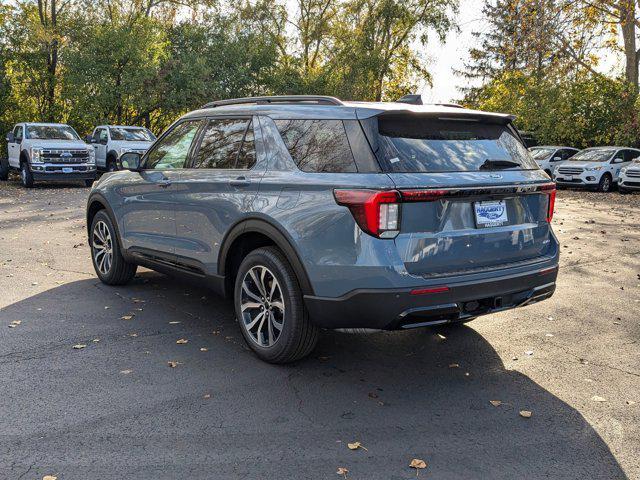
x=426, y=291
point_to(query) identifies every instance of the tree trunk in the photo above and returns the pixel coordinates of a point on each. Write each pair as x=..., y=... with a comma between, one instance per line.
x=628, y=26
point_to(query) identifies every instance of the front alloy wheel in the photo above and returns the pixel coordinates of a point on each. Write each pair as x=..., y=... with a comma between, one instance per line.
x=102, y=247
x=108, y=262
x=262, y=306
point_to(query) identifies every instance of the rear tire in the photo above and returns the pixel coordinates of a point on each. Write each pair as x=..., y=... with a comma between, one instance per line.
x=26, y=177
x=270, y=310
x=108, y=262
x=604, y=185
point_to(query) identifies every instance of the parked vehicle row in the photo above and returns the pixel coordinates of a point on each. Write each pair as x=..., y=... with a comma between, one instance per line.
x=313, y=213
x=600, y=168
x=55, y=152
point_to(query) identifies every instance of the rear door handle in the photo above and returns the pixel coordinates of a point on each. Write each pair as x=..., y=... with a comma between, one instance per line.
x=240, y=182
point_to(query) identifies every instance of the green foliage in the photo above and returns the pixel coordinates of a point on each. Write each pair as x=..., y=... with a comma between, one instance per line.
x=147, y=62
x=584, y=111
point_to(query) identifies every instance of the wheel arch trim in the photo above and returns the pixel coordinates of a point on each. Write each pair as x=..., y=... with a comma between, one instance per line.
x=277, y=234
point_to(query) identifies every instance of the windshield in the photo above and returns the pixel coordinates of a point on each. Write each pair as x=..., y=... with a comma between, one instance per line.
x=130, y=134
x=51, y=132
x=541, y=153
x=593, y=155
x=414, y=144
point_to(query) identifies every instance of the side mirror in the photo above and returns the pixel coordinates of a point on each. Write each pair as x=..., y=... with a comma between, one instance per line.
x=11, y=138
x=88, y=139
x=130, y=161
x=556, y=159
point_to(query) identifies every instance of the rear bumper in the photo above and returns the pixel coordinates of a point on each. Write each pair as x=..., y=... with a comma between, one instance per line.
x=399, y=309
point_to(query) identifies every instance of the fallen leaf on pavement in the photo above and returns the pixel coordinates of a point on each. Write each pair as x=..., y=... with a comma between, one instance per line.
x=630, y=402
x=418, y=465
x=49, y=477
x=173, y=323
x=342, y=471
x=126, y=372
x=182, y=341
x=529, y=352
x=173, y=364
x=495, y=403
x=597, y=398
x=454, y=365
x=355, y=446
x=207, y=396
x=525, y=413
x=79, y=346
x=127, y=317
x=203, y=349
x=16, y=322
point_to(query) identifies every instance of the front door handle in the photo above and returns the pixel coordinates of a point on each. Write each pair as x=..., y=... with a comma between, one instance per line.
x=165, y=183
x=240, y=182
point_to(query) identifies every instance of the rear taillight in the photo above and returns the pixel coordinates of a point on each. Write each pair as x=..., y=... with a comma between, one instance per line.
x=550, y=189
x=377, y=212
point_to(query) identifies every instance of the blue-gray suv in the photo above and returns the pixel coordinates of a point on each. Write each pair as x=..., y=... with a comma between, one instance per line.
x=314, y=213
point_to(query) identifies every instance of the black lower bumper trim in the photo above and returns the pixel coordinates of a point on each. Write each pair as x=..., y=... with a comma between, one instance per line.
x=64, y=177
x=399, y=309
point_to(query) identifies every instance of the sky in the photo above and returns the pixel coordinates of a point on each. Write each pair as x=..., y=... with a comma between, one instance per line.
x=444, y=58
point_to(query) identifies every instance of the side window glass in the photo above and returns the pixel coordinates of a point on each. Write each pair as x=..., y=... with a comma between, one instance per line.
x=96, y=135
x=318, y=145
x=629, y=155
x=221, y=143
x=18, y=134
x=172, y=151
x=103, y=135
x=247, y=155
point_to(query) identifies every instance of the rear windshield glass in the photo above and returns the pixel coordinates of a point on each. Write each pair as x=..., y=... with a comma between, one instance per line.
x=413, y=144
x=131, y=134
x=593, y=155
x=51, y=132
x=541, y=153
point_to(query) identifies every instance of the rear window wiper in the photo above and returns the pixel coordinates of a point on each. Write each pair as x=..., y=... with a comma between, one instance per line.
x=498, y=164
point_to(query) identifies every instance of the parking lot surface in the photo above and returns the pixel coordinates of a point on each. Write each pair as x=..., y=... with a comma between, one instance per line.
x=116, y=408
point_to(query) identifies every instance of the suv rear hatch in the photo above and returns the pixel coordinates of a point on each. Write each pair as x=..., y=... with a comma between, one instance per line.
x=472, y=198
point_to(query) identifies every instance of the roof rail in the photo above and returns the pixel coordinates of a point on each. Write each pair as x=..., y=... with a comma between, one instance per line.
x=317, y=99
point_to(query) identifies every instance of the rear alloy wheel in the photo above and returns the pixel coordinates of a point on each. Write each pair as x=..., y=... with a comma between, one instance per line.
x=270, y=310
x=605, y=183
x=26, y=177
x=108, y=262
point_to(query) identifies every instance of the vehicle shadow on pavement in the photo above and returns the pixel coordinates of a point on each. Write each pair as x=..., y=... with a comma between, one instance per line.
x=116, y=409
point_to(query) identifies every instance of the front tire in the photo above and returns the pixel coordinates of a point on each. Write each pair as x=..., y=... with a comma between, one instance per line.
x=270, y=310
x=108, y=262
x=604, y=185
x=26, y=177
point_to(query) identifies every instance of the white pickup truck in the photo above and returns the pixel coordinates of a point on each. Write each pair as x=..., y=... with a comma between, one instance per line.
x=597, y=167
x=50, y=152
x=111, y=141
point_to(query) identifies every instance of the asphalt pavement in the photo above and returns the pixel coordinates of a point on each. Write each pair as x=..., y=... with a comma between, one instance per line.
x=131, y=403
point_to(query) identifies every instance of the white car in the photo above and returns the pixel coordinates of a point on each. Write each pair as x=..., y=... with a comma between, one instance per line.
x=597, y=167
x=111, y=141
x=50, y=152
x=548, y=156
x=629, y=178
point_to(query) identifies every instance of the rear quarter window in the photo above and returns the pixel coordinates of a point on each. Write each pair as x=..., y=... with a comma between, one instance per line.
x=318, y=145
x=413, y=144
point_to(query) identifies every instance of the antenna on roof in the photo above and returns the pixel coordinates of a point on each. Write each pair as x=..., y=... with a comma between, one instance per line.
x=411, y=99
